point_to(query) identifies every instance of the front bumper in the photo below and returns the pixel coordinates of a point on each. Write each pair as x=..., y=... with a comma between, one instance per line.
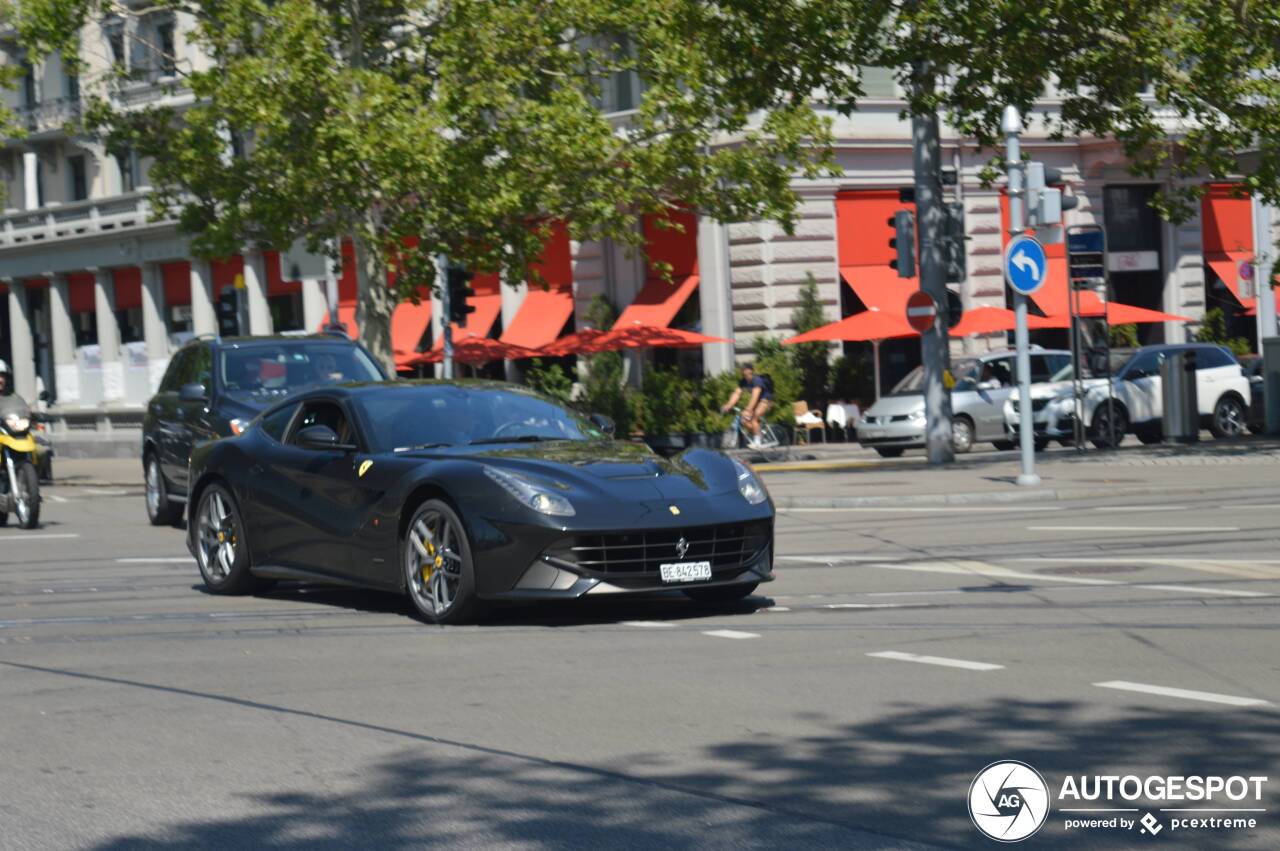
x=571, y=565
x=904, y=433
x=1051, y=421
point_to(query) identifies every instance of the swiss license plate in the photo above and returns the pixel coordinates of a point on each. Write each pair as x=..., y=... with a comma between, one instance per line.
x=685, y=571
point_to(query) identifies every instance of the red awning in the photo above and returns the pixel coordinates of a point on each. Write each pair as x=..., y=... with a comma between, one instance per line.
x=409, y=322
x=478, y=324
x=177, y=283
x=80, y=293
x=128, y=288
x=540, y=318
x=1054, y=297
x=880, y=287
x=1226, y=265
x=658, y=302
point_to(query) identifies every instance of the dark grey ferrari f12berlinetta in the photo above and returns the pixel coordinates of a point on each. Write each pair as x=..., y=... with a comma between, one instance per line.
x=461, y=493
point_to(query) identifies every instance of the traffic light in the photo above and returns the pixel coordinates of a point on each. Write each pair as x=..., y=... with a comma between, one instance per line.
x=457, y=281
x=953, y=239
x=1045, y=201
x=904, y=242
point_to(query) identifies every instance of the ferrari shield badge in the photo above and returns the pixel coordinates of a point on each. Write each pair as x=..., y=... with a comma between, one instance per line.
x=364, y=467
x=673, y=509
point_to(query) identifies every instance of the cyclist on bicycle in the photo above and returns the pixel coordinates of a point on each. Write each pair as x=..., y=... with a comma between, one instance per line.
x=759, y=390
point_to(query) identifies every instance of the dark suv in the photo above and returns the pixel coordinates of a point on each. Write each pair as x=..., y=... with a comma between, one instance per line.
x=214, y=387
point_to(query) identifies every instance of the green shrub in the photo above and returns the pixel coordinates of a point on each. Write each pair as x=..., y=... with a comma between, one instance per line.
x=850, y=380
x=1213, y=329
x=773, y=360
x=667, y=401
x=1123, y=336
x=549, y=379
x=810, y=359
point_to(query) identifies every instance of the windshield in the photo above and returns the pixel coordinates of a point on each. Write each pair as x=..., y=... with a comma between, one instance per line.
x=409, y=416
x=965, y=372
x=269, y=371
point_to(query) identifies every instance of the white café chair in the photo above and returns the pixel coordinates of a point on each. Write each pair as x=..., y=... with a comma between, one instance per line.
x=838, y=419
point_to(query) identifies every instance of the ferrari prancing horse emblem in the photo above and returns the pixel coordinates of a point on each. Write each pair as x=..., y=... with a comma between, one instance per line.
x=682, y=547
x=364, y=467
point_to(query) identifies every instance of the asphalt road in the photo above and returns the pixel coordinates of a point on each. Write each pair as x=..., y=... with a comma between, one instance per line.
x=848, y=705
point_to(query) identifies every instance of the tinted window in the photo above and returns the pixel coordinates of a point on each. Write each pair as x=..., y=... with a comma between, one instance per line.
x=278, y=369
x=1212, y=357
x=409, y=416
x=195, y=366
x=326, y=414
x=171, y=382
x=274, y=423
x=1143, y=364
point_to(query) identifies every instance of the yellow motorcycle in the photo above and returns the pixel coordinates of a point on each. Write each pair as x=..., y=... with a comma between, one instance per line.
x=19, y=482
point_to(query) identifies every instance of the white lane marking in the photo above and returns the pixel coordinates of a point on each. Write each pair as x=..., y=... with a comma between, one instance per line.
x=833, y=559
x=982, y=568
x=1185, y=694
x=21, y=537
x=956, y=509
x=935, y=660
x=730, y=633
x=1113, y=508
x=864, y=605
x=56, y=498
x=778, y=609
x=1244, y=568
x=649, y=624
x=162, y=560
x=1133, y=528
x=1253, y=506
x=912, y=593
x=1197, y=589
x=106, y=492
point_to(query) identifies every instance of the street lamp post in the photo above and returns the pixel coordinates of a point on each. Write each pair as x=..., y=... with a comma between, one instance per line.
x=1012, y=126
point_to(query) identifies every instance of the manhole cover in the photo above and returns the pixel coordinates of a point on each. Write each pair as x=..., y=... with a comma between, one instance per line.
x=1087, y=569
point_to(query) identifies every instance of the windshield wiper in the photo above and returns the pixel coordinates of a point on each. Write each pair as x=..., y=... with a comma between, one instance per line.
x=524, y=438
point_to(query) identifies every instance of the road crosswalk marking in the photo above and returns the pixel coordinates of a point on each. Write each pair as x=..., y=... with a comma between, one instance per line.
x=730, y=633
x=1185, y=694
x=899, y=656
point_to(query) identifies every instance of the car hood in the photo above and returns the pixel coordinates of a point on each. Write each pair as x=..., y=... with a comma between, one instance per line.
x=891, y=406
x=1054, y=389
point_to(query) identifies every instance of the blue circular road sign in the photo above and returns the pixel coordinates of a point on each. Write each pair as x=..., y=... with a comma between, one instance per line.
x=1025, y=264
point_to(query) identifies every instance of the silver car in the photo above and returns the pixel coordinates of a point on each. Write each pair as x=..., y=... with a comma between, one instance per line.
x=896, y=421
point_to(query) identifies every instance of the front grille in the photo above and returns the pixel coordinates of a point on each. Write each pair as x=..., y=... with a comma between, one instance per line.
x=729, y=548
x=1039, y=404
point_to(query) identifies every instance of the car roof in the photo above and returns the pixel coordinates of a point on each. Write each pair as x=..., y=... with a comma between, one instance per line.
x=275, y=339
x=354, y=389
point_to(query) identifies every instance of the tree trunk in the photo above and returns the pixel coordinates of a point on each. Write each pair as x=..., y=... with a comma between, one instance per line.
x=375, y=304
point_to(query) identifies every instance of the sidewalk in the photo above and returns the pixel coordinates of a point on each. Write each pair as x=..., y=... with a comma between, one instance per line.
x=1234, y=468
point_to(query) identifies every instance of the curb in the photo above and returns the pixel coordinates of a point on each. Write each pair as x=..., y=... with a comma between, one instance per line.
x=1003, y=497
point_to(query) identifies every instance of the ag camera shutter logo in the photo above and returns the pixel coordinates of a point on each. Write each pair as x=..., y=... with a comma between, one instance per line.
x=1008, y=801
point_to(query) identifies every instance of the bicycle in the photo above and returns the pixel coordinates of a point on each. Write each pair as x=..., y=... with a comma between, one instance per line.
x=777, y=442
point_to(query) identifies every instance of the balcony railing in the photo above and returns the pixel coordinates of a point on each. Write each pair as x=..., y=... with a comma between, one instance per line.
x=50, y=114
x=70, y=221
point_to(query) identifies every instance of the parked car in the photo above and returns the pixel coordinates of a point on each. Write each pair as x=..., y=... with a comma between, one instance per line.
x=1053, y=401
x=459, y=493
x=896, y=422
x=214, y=387
x=1138, y=399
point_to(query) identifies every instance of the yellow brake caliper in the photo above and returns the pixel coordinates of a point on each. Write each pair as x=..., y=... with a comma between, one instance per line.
x=435, y=561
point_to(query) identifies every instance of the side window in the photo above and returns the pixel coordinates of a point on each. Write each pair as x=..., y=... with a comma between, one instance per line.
x=274, y=423
x=172, y=380
x=1144, y=365
x=1212, y=357
x=200, y=370
x=1000, y=371
x=1057, y=363
x=1041, y=369
x=326, y=414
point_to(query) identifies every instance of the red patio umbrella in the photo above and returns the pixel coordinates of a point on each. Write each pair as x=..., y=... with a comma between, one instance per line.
x=640, y=336
x=872, y=325
x=1117, y=314
x=993, y=320
x=581, y=342
x=474, y=350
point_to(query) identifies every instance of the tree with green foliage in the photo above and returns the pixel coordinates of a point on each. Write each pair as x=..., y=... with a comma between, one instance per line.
x=812, y=360
x=549, y=379
x=1213, y=329
x=420, y=128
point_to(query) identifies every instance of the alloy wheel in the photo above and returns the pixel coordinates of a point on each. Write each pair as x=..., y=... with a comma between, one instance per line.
x=153, y=488
x=217, y=538
x=433, y=562
x=1229, y=418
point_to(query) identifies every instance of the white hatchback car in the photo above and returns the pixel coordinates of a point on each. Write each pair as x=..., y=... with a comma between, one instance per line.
x=1221, y=393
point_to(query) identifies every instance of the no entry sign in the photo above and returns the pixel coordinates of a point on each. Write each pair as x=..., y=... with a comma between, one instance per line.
x=922, y=311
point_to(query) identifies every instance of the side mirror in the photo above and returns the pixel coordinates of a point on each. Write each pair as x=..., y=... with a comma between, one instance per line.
x=990, y=384
x=322, y=438
x=193, y=392
x=605, y=424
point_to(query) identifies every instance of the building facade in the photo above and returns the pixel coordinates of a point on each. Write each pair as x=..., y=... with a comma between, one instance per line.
x=95, y=296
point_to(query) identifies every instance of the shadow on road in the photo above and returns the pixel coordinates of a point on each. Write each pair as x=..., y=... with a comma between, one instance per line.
x=872, y=784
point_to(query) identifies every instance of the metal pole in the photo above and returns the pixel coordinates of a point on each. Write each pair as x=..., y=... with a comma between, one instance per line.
x=331, y=281
x=1264, y=266
x=1012, y=126
x=445, y=323
x=930, y=217
x=875, y=362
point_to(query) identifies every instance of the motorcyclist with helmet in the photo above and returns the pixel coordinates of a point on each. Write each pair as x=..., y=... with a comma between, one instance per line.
x=19, y=485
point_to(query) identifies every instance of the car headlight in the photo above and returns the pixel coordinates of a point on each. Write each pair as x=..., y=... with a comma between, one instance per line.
x=748, y=485
x=531, y=493
x=1064, y=404
x=917, y=417
x=16, y=423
